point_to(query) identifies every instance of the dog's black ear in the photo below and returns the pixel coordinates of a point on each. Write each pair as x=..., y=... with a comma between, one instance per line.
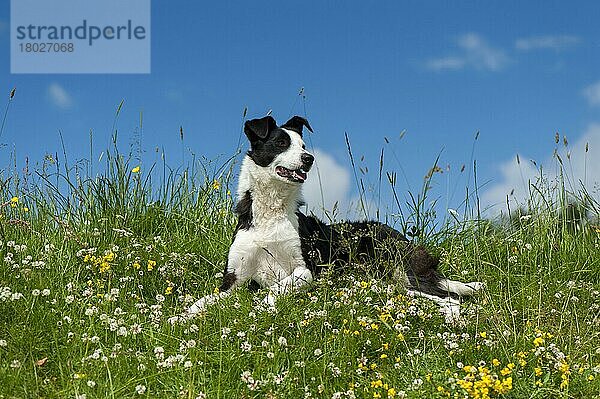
x=259, y=128
x=296, y=124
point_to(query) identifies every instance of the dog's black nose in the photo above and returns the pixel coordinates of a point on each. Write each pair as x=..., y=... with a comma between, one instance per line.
x=307, y=160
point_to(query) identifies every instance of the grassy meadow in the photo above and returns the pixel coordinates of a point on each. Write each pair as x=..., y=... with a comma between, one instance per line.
x=96, y=267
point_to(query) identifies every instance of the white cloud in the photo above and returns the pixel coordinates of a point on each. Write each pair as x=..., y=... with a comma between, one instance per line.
x=579, y=166
x=592, y=93
x=328, y=182
x=551, y=42
x=439, y=64
x=475, y=52
x=59, y=96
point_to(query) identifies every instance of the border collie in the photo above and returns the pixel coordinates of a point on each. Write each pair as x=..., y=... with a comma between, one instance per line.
x=277, y=247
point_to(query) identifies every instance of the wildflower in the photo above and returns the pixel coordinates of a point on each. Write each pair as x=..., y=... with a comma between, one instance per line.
x=140, y=389
x=135, y=170
x=216, y=185
x=14, y=201
x=151, y=265
x=376, y=384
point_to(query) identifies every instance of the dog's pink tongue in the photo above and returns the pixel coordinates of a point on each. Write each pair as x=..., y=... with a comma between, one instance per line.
x=300, y=175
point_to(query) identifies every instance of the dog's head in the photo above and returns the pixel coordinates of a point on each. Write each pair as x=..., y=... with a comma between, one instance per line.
x=280, y=150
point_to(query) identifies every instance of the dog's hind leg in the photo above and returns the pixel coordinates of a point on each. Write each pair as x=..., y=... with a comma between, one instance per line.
x=300, y=277
x=459, y=288
x=450, y=307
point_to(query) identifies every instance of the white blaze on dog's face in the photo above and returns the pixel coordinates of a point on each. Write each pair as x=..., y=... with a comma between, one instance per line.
x=280, y=150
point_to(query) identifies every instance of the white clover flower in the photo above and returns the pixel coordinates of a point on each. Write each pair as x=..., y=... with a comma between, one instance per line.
x=245, y=346
x=35, y=292
x=282, y=341
x=91, y=383
x=45, y=292
x=3, y=343
x=136, y=329
x=140, y=389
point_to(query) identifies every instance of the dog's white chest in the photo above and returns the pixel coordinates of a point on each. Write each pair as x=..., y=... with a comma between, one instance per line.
x=271, y=251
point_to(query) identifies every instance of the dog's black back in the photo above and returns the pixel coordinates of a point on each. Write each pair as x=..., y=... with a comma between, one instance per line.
x=375, y=244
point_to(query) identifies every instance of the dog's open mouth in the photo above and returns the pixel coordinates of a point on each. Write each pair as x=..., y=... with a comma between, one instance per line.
x=297, y=176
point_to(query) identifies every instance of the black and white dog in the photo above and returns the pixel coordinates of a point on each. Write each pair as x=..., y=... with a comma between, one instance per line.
x=279, y=248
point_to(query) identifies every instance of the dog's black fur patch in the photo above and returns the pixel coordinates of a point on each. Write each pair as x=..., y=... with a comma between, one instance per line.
x=243, y=209
x=341, y=244
x=263, y=151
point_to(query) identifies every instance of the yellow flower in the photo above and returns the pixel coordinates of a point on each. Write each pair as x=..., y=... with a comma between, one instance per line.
x=216, y=185
x=391, y=393
x=25, y=209
x=496, y=362
x=14, y=201
x=151, y=264
x=564, y=368
x=538, y=341
x=169, y=290
x=538, y=371
x=376, y=384
x=135, y=170
x=483, y=334
x=136, y=265
x=104, y=266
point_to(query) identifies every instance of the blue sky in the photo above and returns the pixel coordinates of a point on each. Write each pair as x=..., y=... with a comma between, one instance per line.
x=517, y=72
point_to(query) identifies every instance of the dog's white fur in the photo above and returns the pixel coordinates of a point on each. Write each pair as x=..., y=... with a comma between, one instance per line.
x=269, y=252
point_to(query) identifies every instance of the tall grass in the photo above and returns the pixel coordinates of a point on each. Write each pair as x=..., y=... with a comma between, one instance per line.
x=95, y=267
